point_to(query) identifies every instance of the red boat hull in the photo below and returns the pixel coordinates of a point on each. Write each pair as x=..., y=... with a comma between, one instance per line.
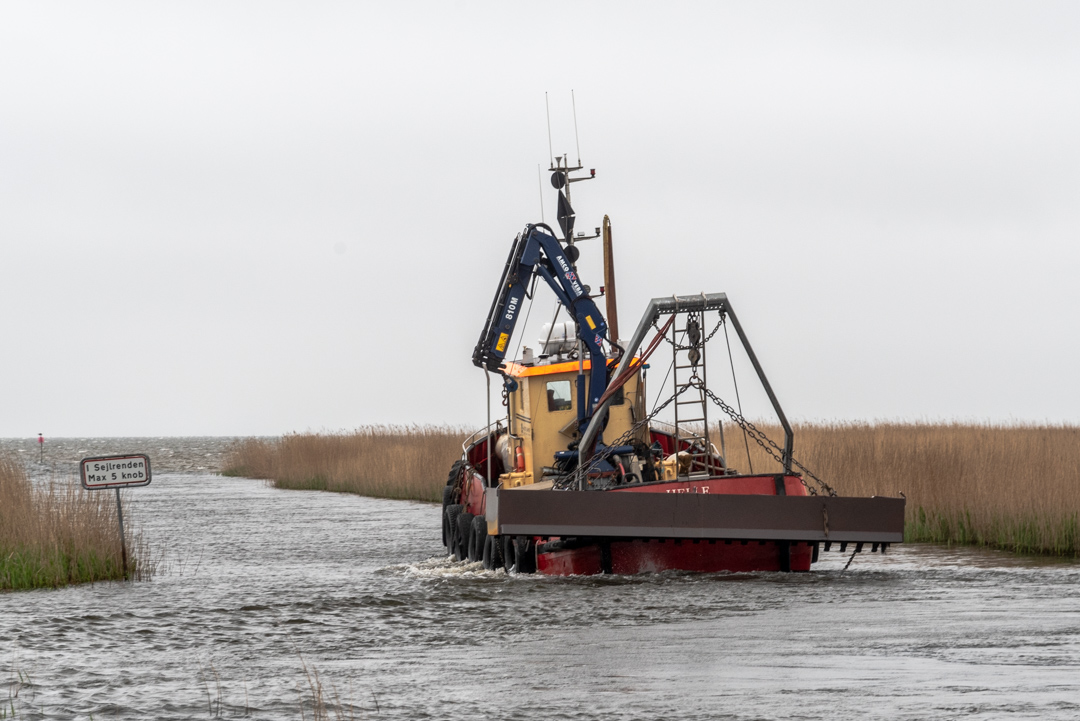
x=652, y=556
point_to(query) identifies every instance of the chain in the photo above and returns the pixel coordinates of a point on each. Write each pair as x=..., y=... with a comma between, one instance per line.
x=707, y=338
x=621, y=440
x=719, y=324
x=752, y=431
x=747, y=426
x=766, y=443
x=761, y=439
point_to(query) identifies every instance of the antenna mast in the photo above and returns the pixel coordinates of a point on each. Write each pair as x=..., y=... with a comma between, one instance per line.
x=573, y=104
x=551, y=153
x=540, y=182
x=561, y=179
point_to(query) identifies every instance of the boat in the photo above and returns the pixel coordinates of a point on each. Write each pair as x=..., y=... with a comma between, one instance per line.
x=581, y=476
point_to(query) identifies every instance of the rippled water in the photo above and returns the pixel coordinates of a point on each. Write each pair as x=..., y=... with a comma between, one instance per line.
x=259, y=582
x=167, y=454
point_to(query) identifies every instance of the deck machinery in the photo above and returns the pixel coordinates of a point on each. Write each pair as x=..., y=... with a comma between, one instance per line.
x=541, y=490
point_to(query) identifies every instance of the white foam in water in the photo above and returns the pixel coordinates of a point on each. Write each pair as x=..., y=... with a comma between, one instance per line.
x=442, y=567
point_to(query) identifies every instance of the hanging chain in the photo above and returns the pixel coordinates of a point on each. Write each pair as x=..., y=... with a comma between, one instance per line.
x=767, y=444
x=761, y=439
x=677, y=346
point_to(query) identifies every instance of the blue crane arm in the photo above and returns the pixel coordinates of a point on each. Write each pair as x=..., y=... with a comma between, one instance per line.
x=538, y=253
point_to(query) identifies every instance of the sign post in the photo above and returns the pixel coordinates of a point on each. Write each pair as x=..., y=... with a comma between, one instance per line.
x=104, y=472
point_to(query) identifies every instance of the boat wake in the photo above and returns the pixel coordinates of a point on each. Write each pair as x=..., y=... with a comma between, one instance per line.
x=442, y=567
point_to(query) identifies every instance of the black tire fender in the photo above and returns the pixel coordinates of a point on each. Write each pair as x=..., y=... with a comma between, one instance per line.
x=493, y=559
x=525, y=554
x=477, y=537
x=447, y=501
x=509, y=557
x=464, y=533
x=450, y=517
x=455, y=471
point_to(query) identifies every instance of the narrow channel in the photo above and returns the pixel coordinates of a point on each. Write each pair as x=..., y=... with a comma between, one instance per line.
x=257, y=582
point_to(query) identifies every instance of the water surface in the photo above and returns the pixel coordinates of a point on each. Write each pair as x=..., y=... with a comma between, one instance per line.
x=260, y=582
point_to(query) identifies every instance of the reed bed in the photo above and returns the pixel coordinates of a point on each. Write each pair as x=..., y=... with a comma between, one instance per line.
x=405, y=462
x=1009, y=487
x=55, y=534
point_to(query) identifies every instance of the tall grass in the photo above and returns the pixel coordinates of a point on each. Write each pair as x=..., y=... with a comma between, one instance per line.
x=406, y=462
x=1010, y=487
x=57, y=534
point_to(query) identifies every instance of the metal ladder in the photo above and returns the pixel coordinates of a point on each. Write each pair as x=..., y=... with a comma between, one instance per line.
x=689, y=357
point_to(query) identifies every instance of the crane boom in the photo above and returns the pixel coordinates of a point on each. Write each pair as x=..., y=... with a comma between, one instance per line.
x=536, y=253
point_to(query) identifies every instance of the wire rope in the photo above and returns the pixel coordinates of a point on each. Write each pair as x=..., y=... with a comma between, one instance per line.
x=523, y=327
x=738, y=401
x=663, y=383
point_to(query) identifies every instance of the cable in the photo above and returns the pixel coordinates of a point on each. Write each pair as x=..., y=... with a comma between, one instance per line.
x=524, y=326
x=662, y=384
x=738, y=402
x=675, y=344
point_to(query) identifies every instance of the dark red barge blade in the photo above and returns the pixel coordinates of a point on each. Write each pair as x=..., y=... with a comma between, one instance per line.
x=613, y=514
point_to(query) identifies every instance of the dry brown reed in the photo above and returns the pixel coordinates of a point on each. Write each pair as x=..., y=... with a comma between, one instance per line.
x=407, y=462
x=1011, y=487
x=56, y=534
x=322, y=700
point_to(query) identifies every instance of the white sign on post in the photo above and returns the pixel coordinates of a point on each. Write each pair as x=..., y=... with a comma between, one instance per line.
x=115, y=471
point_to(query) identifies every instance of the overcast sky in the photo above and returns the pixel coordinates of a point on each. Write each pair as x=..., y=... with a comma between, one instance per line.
x=256, y=218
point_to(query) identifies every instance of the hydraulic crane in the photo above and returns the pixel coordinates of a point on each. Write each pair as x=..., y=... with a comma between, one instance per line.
x=537, y=253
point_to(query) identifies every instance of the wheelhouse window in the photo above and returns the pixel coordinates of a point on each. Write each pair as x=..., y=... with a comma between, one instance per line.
x=617, y=398
x=558, y=396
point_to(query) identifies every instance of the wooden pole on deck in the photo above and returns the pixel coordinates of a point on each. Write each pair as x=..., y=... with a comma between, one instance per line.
x=609, y=283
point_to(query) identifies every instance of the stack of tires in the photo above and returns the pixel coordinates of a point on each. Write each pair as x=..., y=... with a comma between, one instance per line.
x=518, y=554
x=465, y=536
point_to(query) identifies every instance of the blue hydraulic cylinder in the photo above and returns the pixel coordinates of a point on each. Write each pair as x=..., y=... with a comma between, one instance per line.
x=538, y=253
